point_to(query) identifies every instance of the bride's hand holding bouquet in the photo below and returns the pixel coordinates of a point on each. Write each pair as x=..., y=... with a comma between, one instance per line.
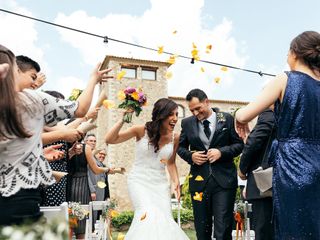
x=133, y=100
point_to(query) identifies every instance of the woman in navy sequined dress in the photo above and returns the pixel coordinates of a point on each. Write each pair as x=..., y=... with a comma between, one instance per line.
x=296, y=151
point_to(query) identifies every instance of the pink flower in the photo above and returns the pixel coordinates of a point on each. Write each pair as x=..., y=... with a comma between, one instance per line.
x=129, y=90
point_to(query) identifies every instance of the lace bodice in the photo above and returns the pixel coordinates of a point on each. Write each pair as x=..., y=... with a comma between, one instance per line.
x=149, y=162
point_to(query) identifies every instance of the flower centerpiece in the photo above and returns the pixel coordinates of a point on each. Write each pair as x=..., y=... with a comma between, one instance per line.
x=134, y=99
x=76, y=213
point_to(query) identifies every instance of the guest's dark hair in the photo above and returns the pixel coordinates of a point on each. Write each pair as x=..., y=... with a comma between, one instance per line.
x=306, y=47
x=161, y=110
x=196, y=93
x=10, y=119
x=55, y=94
x=25, y=63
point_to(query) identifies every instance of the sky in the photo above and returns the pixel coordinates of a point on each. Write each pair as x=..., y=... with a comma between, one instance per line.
x=249, y=34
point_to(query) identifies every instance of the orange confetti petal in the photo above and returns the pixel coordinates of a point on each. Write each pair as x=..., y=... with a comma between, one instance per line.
x=209, y=47
x=121, y=74
x=108, y=104
x=168, y=75
x=224, y=69
x=174, y=32
x=199, y=178
x=217, y=80
x=160, y=49
x=143, y=216
x=198, y=196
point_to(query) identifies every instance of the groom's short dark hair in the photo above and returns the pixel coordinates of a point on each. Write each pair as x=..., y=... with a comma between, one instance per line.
x=196, y=93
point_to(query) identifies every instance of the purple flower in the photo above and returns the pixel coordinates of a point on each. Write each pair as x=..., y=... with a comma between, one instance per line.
x=129, y=90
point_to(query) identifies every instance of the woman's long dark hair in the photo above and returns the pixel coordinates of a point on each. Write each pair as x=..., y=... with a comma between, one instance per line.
x=161, y=110
x=306, y=46
x=10, y=120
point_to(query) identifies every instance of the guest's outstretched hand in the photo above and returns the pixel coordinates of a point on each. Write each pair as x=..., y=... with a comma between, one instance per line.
x=242, y=129
x=101, y=75
x=52, y=153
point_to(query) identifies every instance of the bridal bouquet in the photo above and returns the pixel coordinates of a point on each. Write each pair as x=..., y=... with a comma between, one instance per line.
x=134, y=99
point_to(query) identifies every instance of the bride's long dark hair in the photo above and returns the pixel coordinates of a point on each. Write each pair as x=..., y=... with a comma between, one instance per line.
x=161, y=110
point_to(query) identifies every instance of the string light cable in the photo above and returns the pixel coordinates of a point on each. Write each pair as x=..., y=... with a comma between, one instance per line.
x=106, y=39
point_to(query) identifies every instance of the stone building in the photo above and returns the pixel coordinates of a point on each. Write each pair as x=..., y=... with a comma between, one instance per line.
x=150, y=75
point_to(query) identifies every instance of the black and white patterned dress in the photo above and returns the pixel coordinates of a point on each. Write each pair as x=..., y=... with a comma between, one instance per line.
x=55, y=194
x=22, y=167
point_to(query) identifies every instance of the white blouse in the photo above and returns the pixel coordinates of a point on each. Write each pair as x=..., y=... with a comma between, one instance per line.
x=21, y=162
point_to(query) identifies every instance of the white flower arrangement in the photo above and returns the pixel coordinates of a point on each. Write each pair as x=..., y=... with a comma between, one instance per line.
x=40, y=230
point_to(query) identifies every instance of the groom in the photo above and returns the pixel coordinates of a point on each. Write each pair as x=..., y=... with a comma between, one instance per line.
x=208, y=142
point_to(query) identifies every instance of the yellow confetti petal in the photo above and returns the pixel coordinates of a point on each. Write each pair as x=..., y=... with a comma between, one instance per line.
x=224, y=69
x=143, y=216
x=108, y=104
x=199, y=178
x=194, y=52
x=172, y=59
x=194, y=45
x=160, y=49
x=121, y=95
x=168, y=75
x=217, y=80
x=101, y=184
x=202, y=69
x=120, y=236
x=198, y=196
x=189, y=176
x=121, y=74
x=163, y=161
x=174, y=32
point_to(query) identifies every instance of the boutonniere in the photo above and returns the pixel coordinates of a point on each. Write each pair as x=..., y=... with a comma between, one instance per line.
x=220, y=117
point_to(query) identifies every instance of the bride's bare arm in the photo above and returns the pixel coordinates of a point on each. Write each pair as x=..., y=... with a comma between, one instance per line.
x=172, y=167
x=114, y=135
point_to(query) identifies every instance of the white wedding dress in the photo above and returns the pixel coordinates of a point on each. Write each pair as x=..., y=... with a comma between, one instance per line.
x=149, y=191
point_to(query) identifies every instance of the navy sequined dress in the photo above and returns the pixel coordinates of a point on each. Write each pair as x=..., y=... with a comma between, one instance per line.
x=296, y=156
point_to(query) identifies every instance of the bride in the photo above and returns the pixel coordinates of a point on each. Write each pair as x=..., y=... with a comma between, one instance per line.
x=149, y=189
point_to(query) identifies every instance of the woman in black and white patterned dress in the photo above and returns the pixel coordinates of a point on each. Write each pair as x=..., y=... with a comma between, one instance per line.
x=23, y=115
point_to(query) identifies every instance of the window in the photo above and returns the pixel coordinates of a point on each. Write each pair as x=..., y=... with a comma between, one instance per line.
x=131, y=72
x=148, y=74
x=181, y=111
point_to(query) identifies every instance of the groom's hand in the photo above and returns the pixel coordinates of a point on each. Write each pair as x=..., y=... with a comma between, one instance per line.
x=213, y=155
x=199, y=158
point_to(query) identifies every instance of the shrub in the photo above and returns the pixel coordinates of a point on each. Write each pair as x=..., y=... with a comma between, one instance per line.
x=126, y=217
x=185, y=195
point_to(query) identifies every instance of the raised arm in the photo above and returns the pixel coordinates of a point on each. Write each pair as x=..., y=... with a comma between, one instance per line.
x=92, y=163
x=273, y=91
x=114, y=135
x=86, y=96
